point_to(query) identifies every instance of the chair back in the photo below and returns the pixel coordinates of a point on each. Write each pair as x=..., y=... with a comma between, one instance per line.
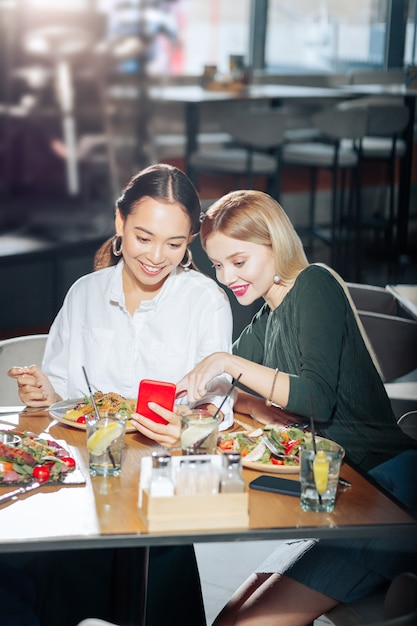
x=408, y=423
x=259, y=129
x=340, y=123
x=25, y=350
x=394, y=342
x=398, y=607
x=372, y=298
x=386, y=120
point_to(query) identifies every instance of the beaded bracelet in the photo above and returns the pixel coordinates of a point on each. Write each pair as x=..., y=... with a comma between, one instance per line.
x=268, y=402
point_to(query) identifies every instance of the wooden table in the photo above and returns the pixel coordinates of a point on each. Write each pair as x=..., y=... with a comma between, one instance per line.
x=106, y=508
x=102, y=513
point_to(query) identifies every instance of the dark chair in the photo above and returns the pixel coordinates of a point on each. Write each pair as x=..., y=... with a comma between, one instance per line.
x=408, y=423
x=394, y=341
x=383, y=143
x=257, y=136
x=398, y=607
x=373, y=298
x=330, y=153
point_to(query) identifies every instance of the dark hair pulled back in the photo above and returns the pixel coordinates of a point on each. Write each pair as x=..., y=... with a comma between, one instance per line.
x=160, y=182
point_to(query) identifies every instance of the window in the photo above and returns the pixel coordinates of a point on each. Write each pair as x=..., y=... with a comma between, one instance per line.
x=185, y=35
x=325, y=35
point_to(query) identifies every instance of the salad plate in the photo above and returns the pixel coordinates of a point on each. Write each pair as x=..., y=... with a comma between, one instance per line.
x=60, y=410
x=40, y=459
x=257, y=456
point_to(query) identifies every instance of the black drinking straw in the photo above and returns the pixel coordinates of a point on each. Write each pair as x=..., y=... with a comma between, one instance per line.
x=232, y=386
x=93, y=402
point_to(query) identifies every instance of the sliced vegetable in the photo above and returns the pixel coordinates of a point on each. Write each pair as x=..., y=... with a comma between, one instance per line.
x=41, y=473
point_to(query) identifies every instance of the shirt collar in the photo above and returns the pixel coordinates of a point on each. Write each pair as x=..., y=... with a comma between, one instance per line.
x=117, y=295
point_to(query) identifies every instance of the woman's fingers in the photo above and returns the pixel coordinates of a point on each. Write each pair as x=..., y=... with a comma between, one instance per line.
x=33, y=385
x=165, y=434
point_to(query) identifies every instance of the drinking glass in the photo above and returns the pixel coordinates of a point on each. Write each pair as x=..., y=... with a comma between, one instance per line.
x=105, y=443
x=319, y=476
x=199, y=432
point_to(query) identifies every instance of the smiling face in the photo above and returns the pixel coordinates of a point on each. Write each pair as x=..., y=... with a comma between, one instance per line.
x=246, y=268
x=155, y=237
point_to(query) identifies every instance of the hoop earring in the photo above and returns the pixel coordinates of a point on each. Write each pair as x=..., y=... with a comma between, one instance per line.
x=277, y=279
x=117, y=251
x=187, y=260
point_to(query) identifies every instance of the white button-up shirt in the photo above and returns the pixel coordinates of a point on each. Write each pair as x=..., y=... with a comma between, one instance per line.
x=166, y=337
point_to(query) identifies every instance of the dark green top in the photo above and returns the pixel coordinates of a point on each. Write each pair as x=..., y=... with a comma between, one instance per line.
x=314, y=337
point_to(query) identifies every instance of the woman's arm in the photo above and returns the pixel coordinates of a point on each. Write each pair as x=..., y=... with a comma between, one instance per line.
x=257, y=377
x=255, y=407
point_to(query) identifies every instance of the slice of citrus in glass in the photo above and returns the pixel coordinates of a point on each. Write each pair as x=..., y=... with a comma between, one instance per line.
x=100, y=440
x=194, y=434
x=321, y=471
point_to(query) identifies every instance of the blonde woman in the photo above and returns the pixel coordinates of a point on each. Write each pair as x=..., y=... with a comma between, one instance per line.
x=303, y=354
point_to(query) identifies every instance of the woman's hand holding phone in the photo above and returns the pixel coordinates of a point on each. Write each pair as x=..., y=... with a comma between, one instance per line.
x=155, y=416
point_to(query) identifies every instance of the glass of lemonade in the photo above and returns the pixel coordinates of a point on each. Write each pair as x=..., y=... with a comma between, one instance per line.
x=199, y=432
x=105, y=443
x=319, y=477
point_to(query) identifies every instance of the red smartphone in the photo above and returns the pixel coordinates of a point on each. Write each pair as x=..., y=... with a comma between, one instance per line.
x=155, y=391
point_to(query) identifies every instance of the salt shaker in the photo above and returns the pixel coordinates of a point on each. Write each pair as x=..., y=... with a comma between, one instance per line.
x=161, y=484
x=231, y=479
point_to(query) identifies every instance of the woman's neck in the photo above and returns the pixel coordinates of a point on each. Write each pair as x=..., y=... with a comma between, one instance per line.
x=135, y=292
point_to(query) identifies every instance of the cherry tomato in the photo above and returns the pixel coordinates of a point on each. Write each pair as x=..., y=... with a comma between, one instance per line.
x=276, y=461
x=226, y=445
x=81, y=420
x=41, y=473
x=68, y=460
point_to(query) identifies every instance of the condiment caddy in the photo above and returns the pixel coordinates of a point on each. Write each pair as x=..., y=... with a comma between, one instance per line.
x=183, y=493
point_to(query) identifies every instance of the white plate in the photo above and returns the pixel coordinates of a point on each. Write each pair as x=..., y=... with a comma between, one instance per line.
x=59, y=409
x=270, y=468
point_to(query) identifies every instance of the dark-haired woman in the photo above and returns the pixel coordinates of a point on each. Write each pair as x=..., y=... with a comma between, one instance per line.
x=144, y=313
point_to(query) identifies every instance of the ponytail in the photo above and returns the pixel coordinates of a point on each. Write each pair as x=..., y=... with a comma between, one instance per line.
x=104, y=256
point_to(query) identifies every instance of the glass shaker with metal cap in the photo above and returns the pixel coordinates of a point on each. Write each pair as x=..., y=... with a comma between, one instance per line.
x=161, y=484
x=231, y=479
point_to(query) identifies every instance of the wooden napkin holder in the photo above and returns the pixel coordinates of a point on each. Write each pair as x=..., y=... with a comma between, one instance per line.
x=214, y=512
x=196, y=512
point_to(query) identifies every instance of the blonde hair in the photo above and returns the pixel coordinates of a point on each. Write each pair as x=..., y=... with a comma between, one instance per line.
x=254, y=216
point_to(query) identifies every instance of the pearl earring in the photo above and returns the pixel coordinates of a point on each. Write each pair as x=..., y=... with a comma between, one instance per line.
x=277, y=279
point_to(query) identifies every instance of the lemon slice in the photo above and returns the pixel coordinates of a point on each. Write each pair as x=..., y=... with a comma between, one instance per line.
x=321, y=471
x=194, y=434
x=100, y=440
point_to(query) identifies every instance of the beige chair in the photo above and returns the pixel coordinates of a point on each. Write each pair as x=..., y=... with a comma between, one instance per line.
x=257, y=136
x=26, y=350
x=398, y=607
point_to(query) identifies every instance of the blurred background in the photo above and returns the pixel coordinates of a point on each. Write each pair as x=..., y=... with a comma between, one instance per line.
x=77, y=120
